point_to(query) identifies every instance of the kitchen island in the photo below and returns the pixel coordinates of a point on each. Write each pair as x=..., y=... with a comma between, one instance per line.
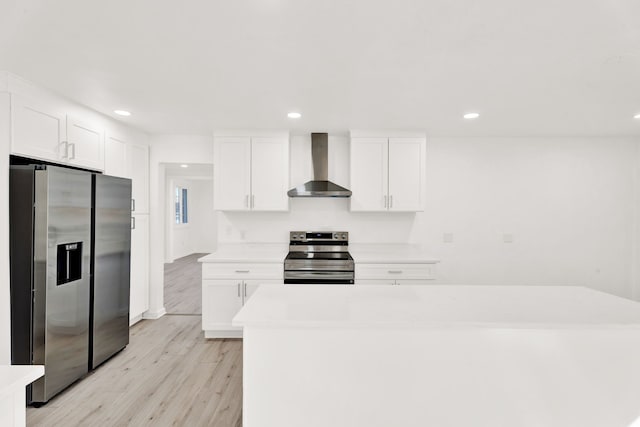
x=13, y=380
x=439, y=356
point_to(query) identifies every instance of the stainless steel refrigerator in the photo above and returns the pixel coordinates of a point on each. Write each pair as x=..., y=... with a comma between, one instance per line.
x=70, y=247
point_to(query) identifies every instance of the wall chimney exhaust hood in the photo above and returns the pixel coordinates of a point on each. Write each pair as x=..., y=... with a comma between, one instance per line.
x=320, y=186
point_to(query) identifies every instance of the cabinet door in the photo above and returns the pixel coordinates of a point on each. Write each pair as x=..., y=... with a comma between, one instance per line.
x=369, y=165
x=406, y=174
x=221, y=301
x=38, y=130
x=250, y=286
x=138, y=159
x=115, y=157
x=232, y=172
x=139, y=295
x=86, y=144
x=269, y=174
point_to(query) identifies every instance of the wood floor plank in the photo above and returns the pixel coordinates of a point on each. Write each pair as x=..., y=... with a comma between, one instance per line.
x=183, y=285
x=169, y=375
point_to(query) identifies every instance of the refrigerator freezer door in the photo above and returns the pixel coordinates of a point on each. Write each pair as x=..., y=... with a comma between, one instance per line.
x=61, y=311
x=111, y=269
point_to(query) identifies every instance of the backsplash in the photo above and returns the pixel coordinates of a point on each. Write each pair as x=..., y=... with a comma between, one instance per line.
x=315, y=214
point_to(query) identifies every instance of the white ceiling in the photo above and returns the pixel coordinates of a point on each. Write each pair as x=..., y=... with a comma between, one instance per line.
x=543, y=67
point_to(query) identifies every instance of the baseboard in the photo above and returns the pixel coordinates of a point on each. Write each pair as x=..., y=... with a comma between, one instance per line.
x=222, y=334
x=153, y=315
x=135, y=320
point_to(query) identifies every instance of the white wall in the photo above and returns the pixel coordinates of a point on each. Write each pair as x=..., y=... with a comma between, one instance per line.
x=5, y=319
x=199, y=234
x=569, y=204
x=167, y=149
x=204, y=234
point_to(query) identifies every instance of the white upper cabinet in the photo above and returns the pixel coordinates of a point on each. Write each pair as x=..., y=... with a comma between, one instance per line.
x=406, y=174
x=138, y=171
x=387, y=174
x=128, y=160
x=269, y=174
x=251, y=173
x=38, y=129
x=42, y=131
x=85, y=144
x=232, y=173
x=369, y=181
x=115, y=157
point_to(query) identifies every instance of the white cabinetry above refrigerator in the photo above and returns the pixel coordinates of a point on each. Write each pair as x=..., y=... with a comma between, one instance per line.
x=41, y=130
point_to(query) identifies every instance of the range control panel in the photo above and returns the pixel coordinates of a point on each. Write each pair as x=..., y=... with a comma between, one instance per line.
x=311, y=236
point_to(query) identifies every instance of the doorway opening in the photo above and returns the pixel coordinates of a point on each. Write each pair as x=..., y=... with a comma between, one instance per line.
x=190, y=230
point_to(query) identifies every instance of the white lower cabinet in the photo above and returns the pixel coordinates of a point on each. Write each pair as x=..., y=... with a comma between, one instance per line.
x=226, y=288
x=394, y=274
x=139, y=285
x=222, y=299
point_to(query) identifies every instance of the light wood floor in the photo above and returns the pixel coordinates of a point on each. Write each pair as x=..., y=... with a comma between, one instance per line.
x=168, y=375
x=183, y=285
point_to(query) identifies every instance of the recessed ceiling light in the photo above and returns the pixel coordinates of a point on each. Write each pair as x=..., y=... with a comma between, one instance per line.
x=294, y=115
x=471, y=116
x=122, y=113
x=184, y=166
x=637, y=116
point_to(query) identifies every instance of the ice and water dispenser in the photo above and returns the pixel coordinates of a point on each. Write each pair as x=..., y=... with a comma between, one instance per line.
x=69, y=262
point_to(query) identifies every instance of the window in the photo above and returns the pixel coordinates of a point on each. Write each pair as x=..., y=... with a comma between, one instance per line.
x=182, y=216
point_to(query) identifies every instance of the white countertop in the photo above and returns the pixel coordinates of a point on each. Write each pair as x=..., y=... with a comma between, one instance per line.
x=15, y=376
x=434, y=306
x=248, y=252
x=362, y=253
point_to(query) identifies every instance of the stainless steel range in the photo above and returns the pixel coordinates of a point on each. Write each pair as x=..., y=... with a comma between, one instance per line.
x=317, y=257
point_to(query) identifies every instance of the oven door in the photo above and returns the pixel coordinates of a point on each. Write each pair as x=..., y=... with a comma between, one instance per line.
x=318, y=277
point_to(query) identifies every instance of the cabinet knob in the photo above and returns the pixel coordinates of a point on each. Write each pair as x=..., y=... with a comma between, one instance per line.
x=395, y=271
x=242, y=271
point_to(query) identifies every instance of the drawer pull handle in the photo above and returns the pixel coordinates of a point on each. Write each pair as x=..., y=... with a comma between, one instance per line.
x=395, y=271
x=242, y=271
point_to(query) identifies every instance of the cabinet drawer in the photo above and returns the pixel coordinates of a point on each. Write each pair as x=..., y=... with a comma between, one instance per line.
x=395, y=271
x=212, y=270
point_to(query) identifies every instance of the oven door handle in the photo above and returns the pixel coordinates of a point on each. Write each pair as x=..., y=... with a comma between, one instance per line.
x=318, y=275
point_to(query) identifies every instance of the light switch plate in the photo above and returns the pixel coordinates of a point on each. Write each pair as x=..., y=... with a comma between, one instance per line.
x=447, y=237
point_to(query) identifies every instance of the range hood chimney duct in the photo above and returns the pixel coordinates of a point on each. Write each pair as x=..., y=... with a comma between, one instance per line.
x=320, y=186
